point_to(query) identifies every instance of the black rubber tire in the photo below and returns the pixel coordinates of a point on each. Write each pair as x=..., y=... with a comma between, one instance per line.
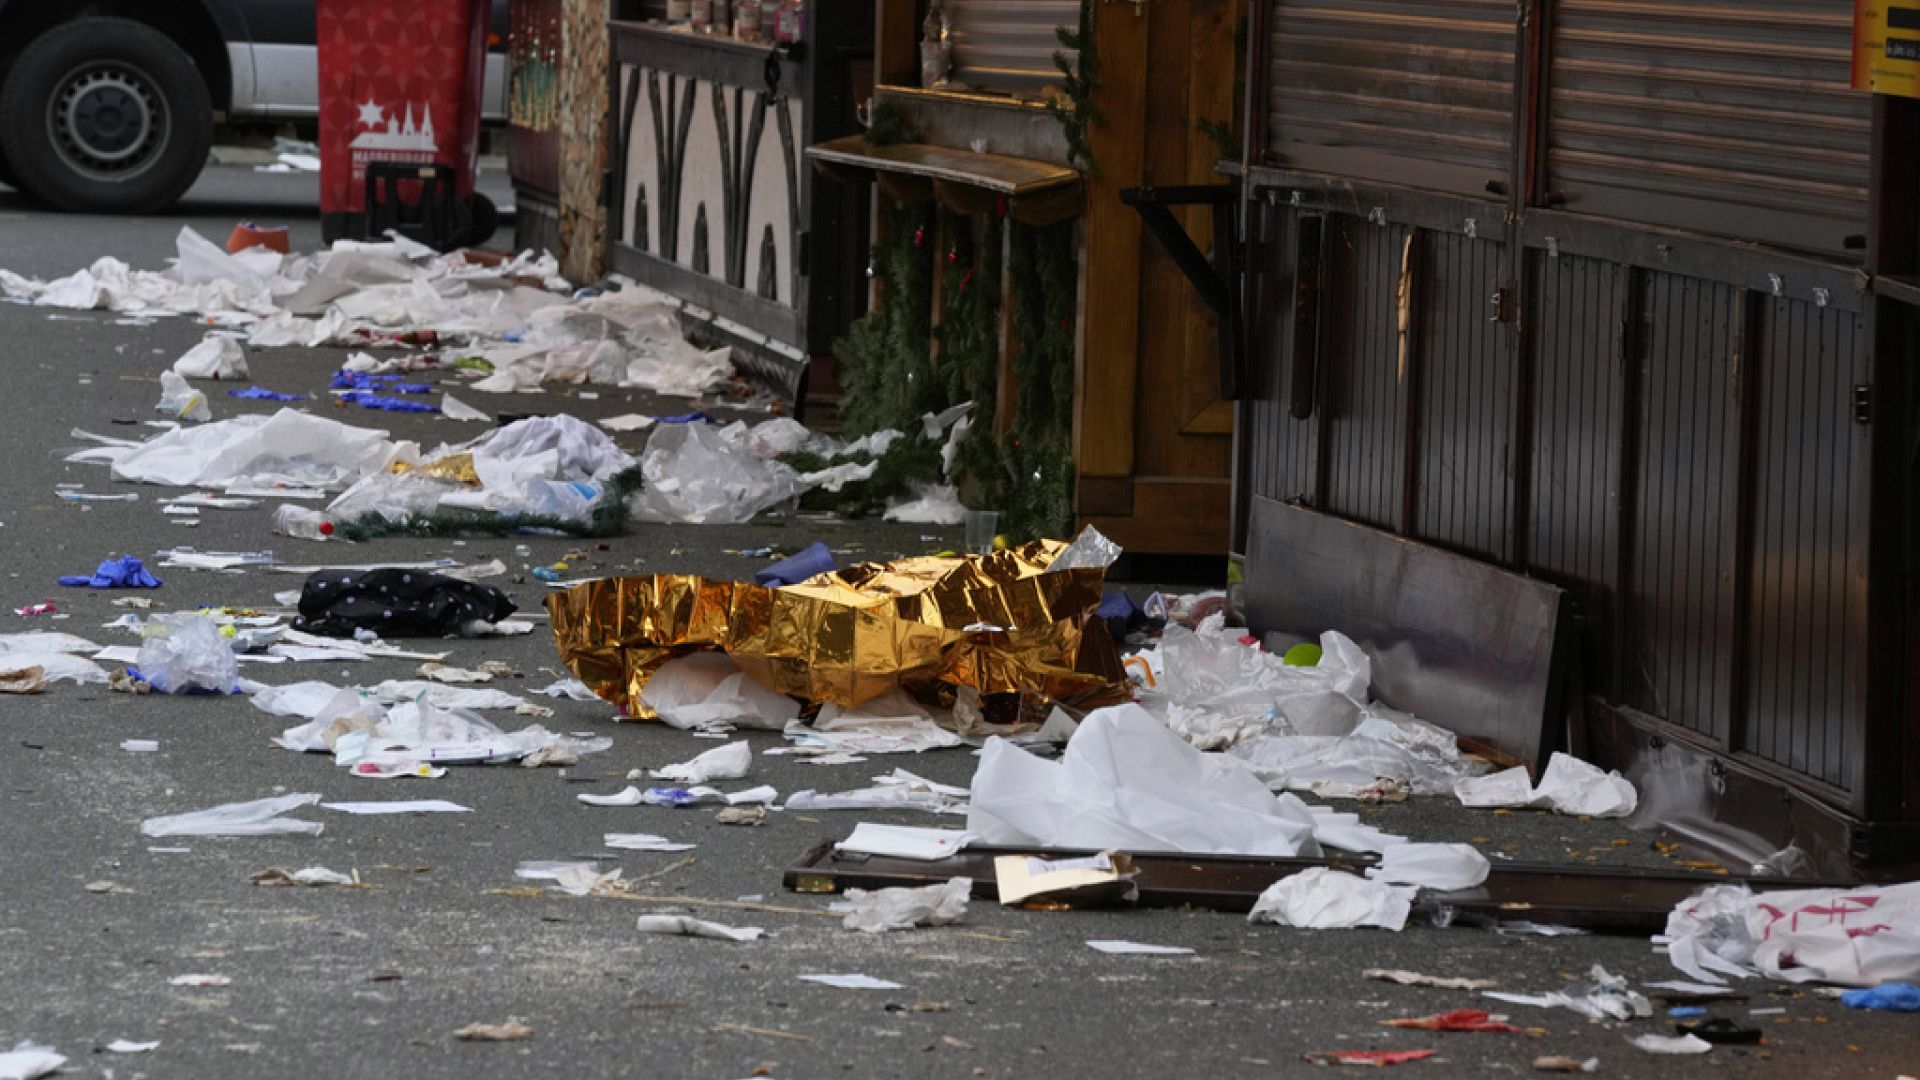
x=155, y=178
x=486, y=219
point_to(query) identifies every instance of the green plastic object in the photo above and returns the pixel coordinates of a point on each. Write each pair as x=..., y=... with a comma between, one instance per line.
x=1305, y=654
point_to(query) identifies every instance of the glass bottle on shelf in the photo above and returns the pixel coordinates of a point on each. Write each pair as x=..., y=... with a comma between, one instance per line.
x=936, y=46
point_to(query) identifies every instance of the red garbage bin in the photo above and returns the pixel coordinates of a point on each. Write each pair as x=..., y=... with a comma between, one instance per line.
x=400, y=88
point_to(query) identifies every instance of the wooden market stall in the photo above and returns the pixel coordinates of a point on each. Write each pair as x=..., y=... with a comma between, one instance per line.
x=710, y=198
x=1005, y=159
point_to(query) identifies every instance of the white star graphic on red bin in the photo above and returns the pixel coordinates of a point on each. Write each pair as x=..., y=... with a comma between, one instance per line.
x=371, y=114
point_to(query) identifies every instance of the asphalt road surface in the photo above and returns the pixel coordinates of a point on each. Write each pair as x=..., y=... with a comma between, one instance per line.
x=373, y=982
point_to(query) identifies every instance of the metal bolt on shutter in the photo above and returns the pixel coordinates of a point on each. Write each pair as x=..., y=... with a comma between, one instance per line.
x=1734, y=120
x=1416, y=92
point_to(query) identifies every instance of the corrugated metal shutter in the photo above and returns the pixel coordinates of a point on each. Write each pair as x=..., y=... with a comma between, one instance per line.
x=1735, y=120
x=1008, y=45
x=1415, y=92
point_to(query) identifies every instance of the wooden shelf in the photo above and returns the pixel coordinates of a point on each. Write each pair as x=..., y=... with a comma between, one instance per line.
x=1037, y=192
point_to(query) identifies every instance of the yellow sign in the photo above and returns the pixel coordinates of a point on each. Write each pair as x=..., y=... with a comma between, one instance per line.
x=1886, y=46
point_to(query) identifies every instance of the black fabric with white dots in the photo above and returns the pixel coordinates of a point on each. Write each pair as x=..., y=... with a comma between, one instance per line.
x=395, y=603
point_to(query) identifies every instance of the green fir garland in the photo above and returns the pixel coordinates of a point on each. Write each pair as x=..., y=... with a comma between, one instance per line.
x=885, y=375
x=1079, y=63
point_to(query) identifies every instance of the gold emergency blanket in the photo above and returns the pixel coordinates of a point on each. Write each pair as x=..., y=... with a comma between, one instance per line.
x=1000, y=623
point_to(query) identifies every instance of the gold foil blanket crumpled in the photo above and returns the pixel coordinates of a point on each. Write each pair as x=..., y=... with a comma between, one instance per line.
x=1012, y=622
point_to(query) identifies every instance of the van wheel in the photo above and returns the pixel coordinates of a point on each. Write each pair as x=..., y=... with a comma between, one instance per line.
x=105, y=115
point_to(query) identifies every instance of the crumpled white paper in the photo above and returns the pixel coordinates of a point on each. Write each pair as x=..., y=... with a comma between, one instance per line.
x=708, y=691
x=1215, y=691
x=1671, y=1044
x=932, y=504
x=1324, y=899
x=309, y=450
x=905, y=841
x=892, y=723
x=1855, y=937
x=217, y=356
x=1568, y=786
x=1127, y=783
x=877, y=911
x=1445, y=867
x=261, y=817
x=729, y=762
x=900, y=791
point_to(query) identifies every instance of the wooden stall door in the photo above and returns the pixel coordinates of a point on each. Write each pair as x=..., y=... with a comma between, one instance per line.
x=1153, y=439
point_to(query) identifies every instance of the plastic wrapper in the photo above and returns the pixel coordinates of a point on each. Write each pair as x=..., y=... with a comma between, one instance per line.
x=932, y=504
x=29, y=1061
x=183, y=653
x=852, y=635
x=180, y=400
x=729, y=762
x=880, y=910
x=1671, y=1044
x=901, y=790
x=1445, y=867
x=218, y=356
x=1216, y=692
x=1887, y=997
x=1323, y=899
x=261, y=817
x=1125, y=782
x=1863, y=936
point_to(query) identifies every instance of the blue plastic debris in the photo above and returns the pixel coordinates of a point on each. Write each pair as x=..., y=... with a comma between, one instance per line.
x=794, y=569
x=673, y=797
x=125, y=572
x=685, y=418
x=546, y=573
x=1681, y=1012
x=369, y=400
x=360, y=380
x=1121, y=614
x=261, y=393
x=1887, y=997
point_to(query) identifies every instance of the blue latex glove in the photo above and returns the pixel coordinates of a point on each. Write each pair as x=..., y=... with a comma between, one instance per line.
x=125, y=572
x=369, y=400
x=794, y=569
x=1888, y=997
x=261, y=393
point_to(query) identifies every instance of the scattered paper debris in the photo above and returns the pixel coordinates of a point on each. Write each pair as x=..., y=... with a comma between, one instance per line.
x=1414, y=978
x=1605, y=997
x=1568, y=786
x=689, y=926
x=140, y=746
x=128, y=1046
x=312, y=875
x=642, y=842
x=199, y=980
x=511, y=1031
x=399, y=806
x=29, y=1061
x=1671, y=1044
x=261, y=817
x=729, y=762
x=1135, y=948
x=1562, y=1063
x=1324, y=899
x=905, y=841
x=852, y=982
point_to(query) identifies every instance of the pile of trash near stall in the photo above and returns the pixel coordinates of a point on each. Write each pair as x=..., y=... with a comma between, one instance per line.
x=553, y=471
x=506, y=323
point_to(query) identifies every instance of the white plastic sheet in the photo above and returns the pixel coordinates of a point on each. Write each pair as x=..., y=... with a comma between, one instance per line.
x=892, y=723
x=261, y=817
x=1323, y=899
x=1605, y=996
x=900, y=791
x=1856, y=937
x=183, y=653
x=286, y=444
x=1671, y=1044
x=708, y=691
x=877, y=911
x=695, y=476
x=1125, y=782
x=217, y=356
x=905, y=841
x=1568, y=786
x=29, y=1061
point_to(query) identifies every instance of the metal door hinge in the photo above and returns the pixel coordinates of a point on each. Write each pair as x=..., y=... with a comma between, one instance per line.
x=1863, y=404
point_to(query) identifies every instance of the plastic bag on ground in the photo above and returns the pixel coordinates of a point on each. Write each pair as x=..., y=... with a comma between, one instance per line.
x=1863, y=936
x=708, y=690
x=1568, y=786
x=892, y=723
x=695, y=476
x=218, y=356
x=878, y=911
x=180, y=400
x=1127, y=783
x=1887, y=997
x=1215, y=692
x=1445, y=867
x=261, y=817
x=1323, y=899
x=183, y=653
x=29, y=1061
x=1605, y=996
